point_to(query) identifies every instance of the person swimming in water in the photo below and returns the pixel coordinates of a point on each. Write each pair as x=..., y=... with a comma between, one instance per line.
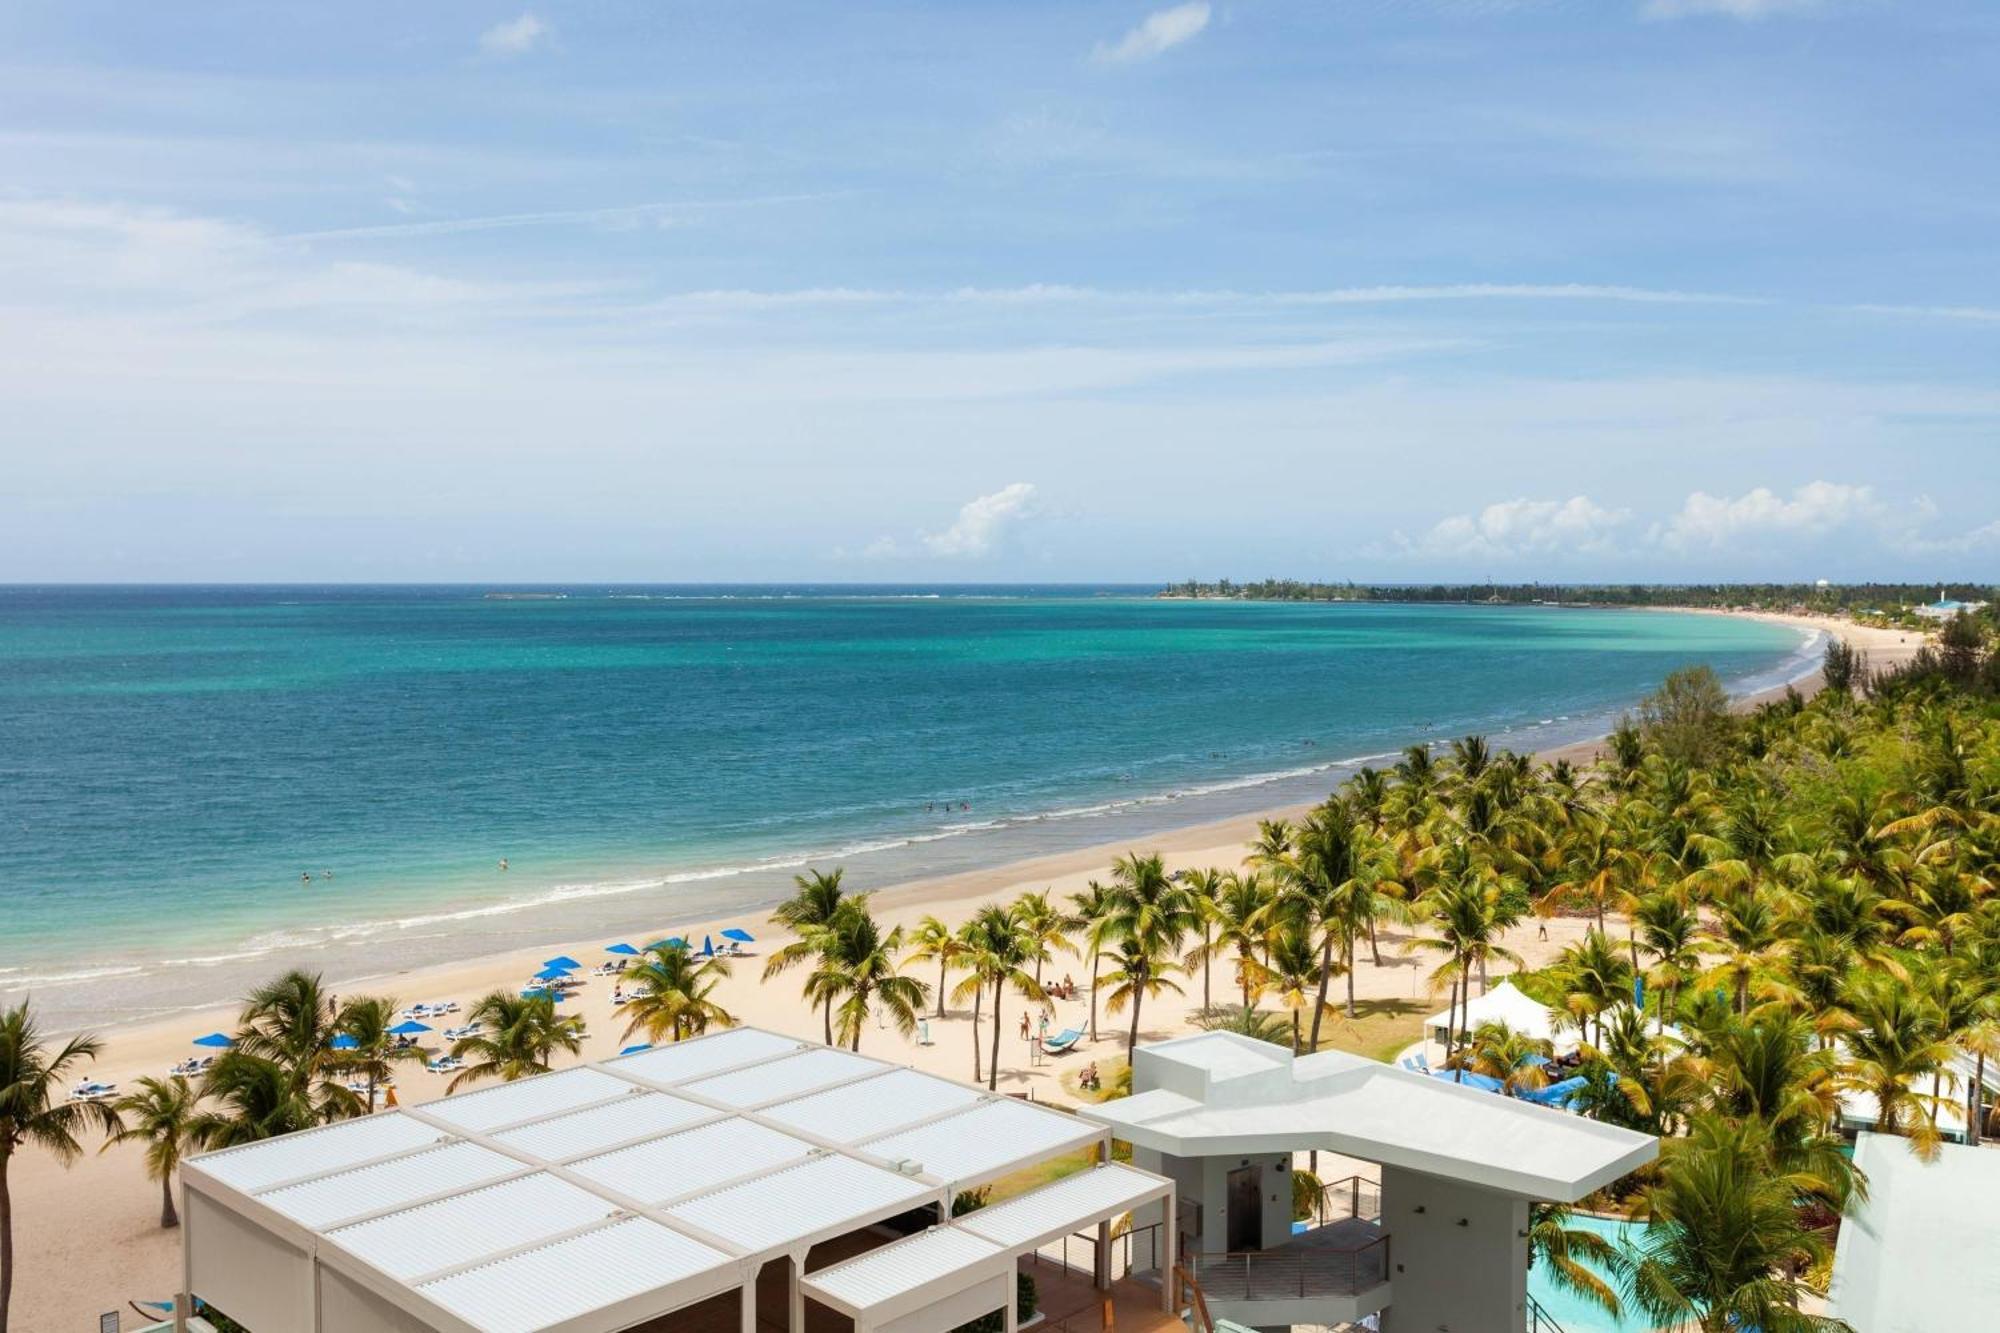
x=503, y=863
x=305, y=877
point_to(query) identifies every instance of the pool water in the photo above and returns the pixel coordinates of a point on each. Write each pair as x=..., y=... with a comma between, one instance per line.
x=1573, y=1312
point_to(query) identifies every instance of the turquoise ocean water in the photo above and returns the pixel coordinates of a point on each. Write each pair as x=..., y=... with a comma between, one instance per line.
x=173, y=759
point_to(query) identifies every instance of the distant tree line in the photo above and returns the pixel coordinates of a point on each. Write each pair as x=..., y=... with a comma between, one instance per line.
x=1835, y=597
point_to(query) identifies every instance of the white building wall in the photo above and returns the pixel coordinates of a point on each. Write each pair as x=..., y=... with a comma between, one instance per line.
x=245, y=1271
x=1458, y=1256
x=345, y=1306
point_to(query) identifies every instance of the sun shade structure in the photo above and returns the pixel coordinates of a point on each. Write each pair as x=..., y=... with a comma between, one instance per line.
x=611, y=1194
x=218, y=1040
x=1503, y=1004
x=740, y=935
x=621, y=948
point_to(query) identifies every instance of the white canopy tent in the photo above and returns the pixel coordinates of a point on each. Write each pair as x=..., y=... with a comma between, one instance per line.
x=1504, y=1003
x=601, y=1197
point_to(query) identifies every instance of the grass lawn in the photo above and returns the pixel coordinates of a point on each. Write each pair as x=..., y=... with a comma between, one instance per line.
x=1378, y=1030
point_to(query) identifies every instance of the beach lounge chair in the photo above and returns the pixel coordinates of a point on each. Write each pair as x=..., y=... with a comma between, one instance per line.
x=1062, y=1041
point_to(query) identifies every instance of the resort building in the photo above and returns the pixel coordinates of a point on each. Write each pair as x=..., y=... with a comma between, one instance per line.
x=1944, y=608
x=1440, y=1242
x=1917, y=1255
x=735, y=1182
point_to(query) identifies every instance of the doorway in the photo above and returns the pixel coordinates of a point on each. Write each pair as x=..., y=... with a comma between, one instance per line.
x=1246, y=1210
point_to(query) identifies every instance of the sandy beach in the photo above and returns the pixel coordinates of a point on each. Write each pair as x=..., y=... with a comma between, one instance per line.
x=88, y=1238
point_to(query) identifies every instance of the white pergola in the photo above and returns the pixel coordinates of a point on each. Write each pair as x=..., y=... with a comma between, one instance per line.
x=609, y=1195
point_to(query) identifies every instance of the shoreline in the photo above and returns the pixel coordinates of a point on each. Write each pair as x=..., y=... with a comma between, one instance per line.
x=898, y=902
x=91, y=1237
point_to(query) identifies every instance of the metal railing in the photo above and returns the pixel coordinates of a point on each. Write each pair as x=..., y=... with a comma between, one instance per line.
x=1134, y=1250
x=1353, y=1196
x=1293, y=1271
x=1539, y=1320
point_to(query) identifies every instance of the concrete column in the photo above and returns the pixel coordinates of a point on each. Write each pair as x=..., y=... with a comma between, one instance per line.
x=184, y=1298
x=1169, y=1256
x=1101, y=1261
x=750, y=1303
x=795, y=1269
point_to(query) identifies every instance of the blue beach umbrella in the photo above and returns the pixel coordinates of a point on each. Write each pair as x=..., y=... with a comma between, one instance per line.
x=634, y=1050
x=625, y=949
x=671, y=942
x=552, y=973
x=740, y=936
x=344, y=1043
x=215, y=1039
x=409, y=1027
x=563, y=961
x=707, y=947
x=543, y=993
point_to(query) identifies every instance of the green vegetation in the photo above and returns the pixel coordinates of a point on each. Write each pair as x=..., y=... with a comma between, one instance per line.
x=1877, y=599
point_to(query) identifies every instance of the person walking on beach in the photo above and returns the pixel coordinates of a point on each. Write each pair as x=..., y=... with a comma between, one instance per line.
x=1024, y=1025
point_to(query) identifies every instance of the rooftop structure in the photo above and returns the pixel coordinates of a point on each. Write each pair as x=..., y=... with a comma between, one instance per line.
x=1222, y=1116
x=612, y=1194
x=1915, y=1255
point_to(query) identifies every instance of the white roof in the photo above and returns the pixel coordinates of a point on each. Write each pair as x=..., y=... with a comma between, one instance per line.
x=1074, y=1201
x=1910, y=1256
x=1199, y=1097
x=314, y=1152
x=638, y=1180
x=693, y=1160
x=814, y=1200
x=857, y=1111
x=465, y=1227
x=777, y=1080
x=964, y=1148
x=881, y=1276
x=539, y=1287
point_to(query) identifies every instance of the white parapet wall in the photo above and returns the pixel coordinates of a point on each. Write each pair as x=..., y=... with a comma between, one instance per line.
x=1458, y=1257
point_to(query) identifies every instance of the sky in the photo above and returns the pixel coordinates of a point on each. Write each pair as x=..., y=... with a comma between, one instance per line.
x=681, y=290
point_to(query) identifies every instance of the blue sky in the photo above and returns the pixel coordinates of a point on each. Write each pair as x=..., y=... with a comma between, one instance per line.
x=685, y=290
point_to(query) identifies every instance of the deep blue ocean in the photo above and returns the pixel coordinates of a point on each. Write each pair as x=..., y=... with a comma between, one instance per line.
x=173, y=760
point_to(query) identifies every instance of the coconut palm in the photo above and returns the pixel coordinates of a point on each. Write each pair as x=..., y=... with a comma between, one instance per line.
x=1595, y=977
x=1091, y=912
x=518, y=1036
x=806, y=913
x=1327, y=891
x=1723, y=1237
x=934, y=942
x=374, y=1052
x=1291, y=973
x=858, y=965
x=291, y=1021
x=1241, y=916
x=1753, y=935
x=998, y=951
x=249, y=1098
x=33, y=1112
x=1577, y=1260
x=1144, y=967
x=1516, y=1059
x=160, y=1113
x=1047, y=927
x=673, y=994
x=1898, y=1044
x=1203, y=886
x=1669, y=931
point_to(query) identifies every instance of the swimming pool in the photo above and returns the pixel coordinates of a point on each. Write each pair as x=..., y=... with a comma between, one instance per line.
x=1573, y=1312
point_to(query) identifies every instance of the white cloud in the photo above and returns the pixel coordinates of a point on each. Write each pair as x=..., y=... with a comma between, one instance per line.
x=984, y=525
x=1714, y=522
x=1513, y=528
x=1159, y=31
x=1735, y=9
x=515, y=37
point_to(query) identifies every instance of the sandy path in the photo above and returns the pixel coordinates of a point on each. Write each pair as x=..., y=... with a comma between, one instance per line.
x=88, y=1238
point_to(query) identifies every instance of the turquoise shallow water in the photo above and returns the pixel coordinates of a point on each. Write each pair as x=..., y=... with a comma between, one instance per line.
x=171, y=760
x=1571, y=1311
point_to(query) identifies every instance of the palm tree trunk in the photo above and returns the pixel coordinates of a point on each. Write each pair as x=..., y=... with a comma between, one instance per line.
x=6, y=1240
x=978, y=1002
x=827, y=1010
x=1374, y=948
x=942, y=976
x=168, y=1217
x=993, y=1069
x=1205, y=947
x=1350, y=972
x=1095, y=959
x=1131, y=1042
x=1243, y=975
x=1325, y=976
x=1972, y=1117
x=1451, y=1024
x=1295, y=1032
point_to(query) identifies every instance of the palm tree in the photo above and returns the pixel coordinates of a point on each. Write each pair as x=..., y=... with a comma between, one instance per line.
x=1091, y=912
x=1291, y=971
x=1203, y=885
x=1753, y=935
x=1322, y=892
x=1047, y=927
x=160, y=1114
x=1240, y=913
x=1143, y=967
x=518, y=1036
x=33, y=1111
x=806, y=913
x=1898, y=1041
x=291, y=1022
x=859, y=963
x=999, y=948
x=1595, y=977
x=1575, y=1259
x=933, y=942
x=673, y=994
x=1669, y=930
x=1724, y=1237
x=1516, y=1059
x=254, y=1099
x=365, y=1021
